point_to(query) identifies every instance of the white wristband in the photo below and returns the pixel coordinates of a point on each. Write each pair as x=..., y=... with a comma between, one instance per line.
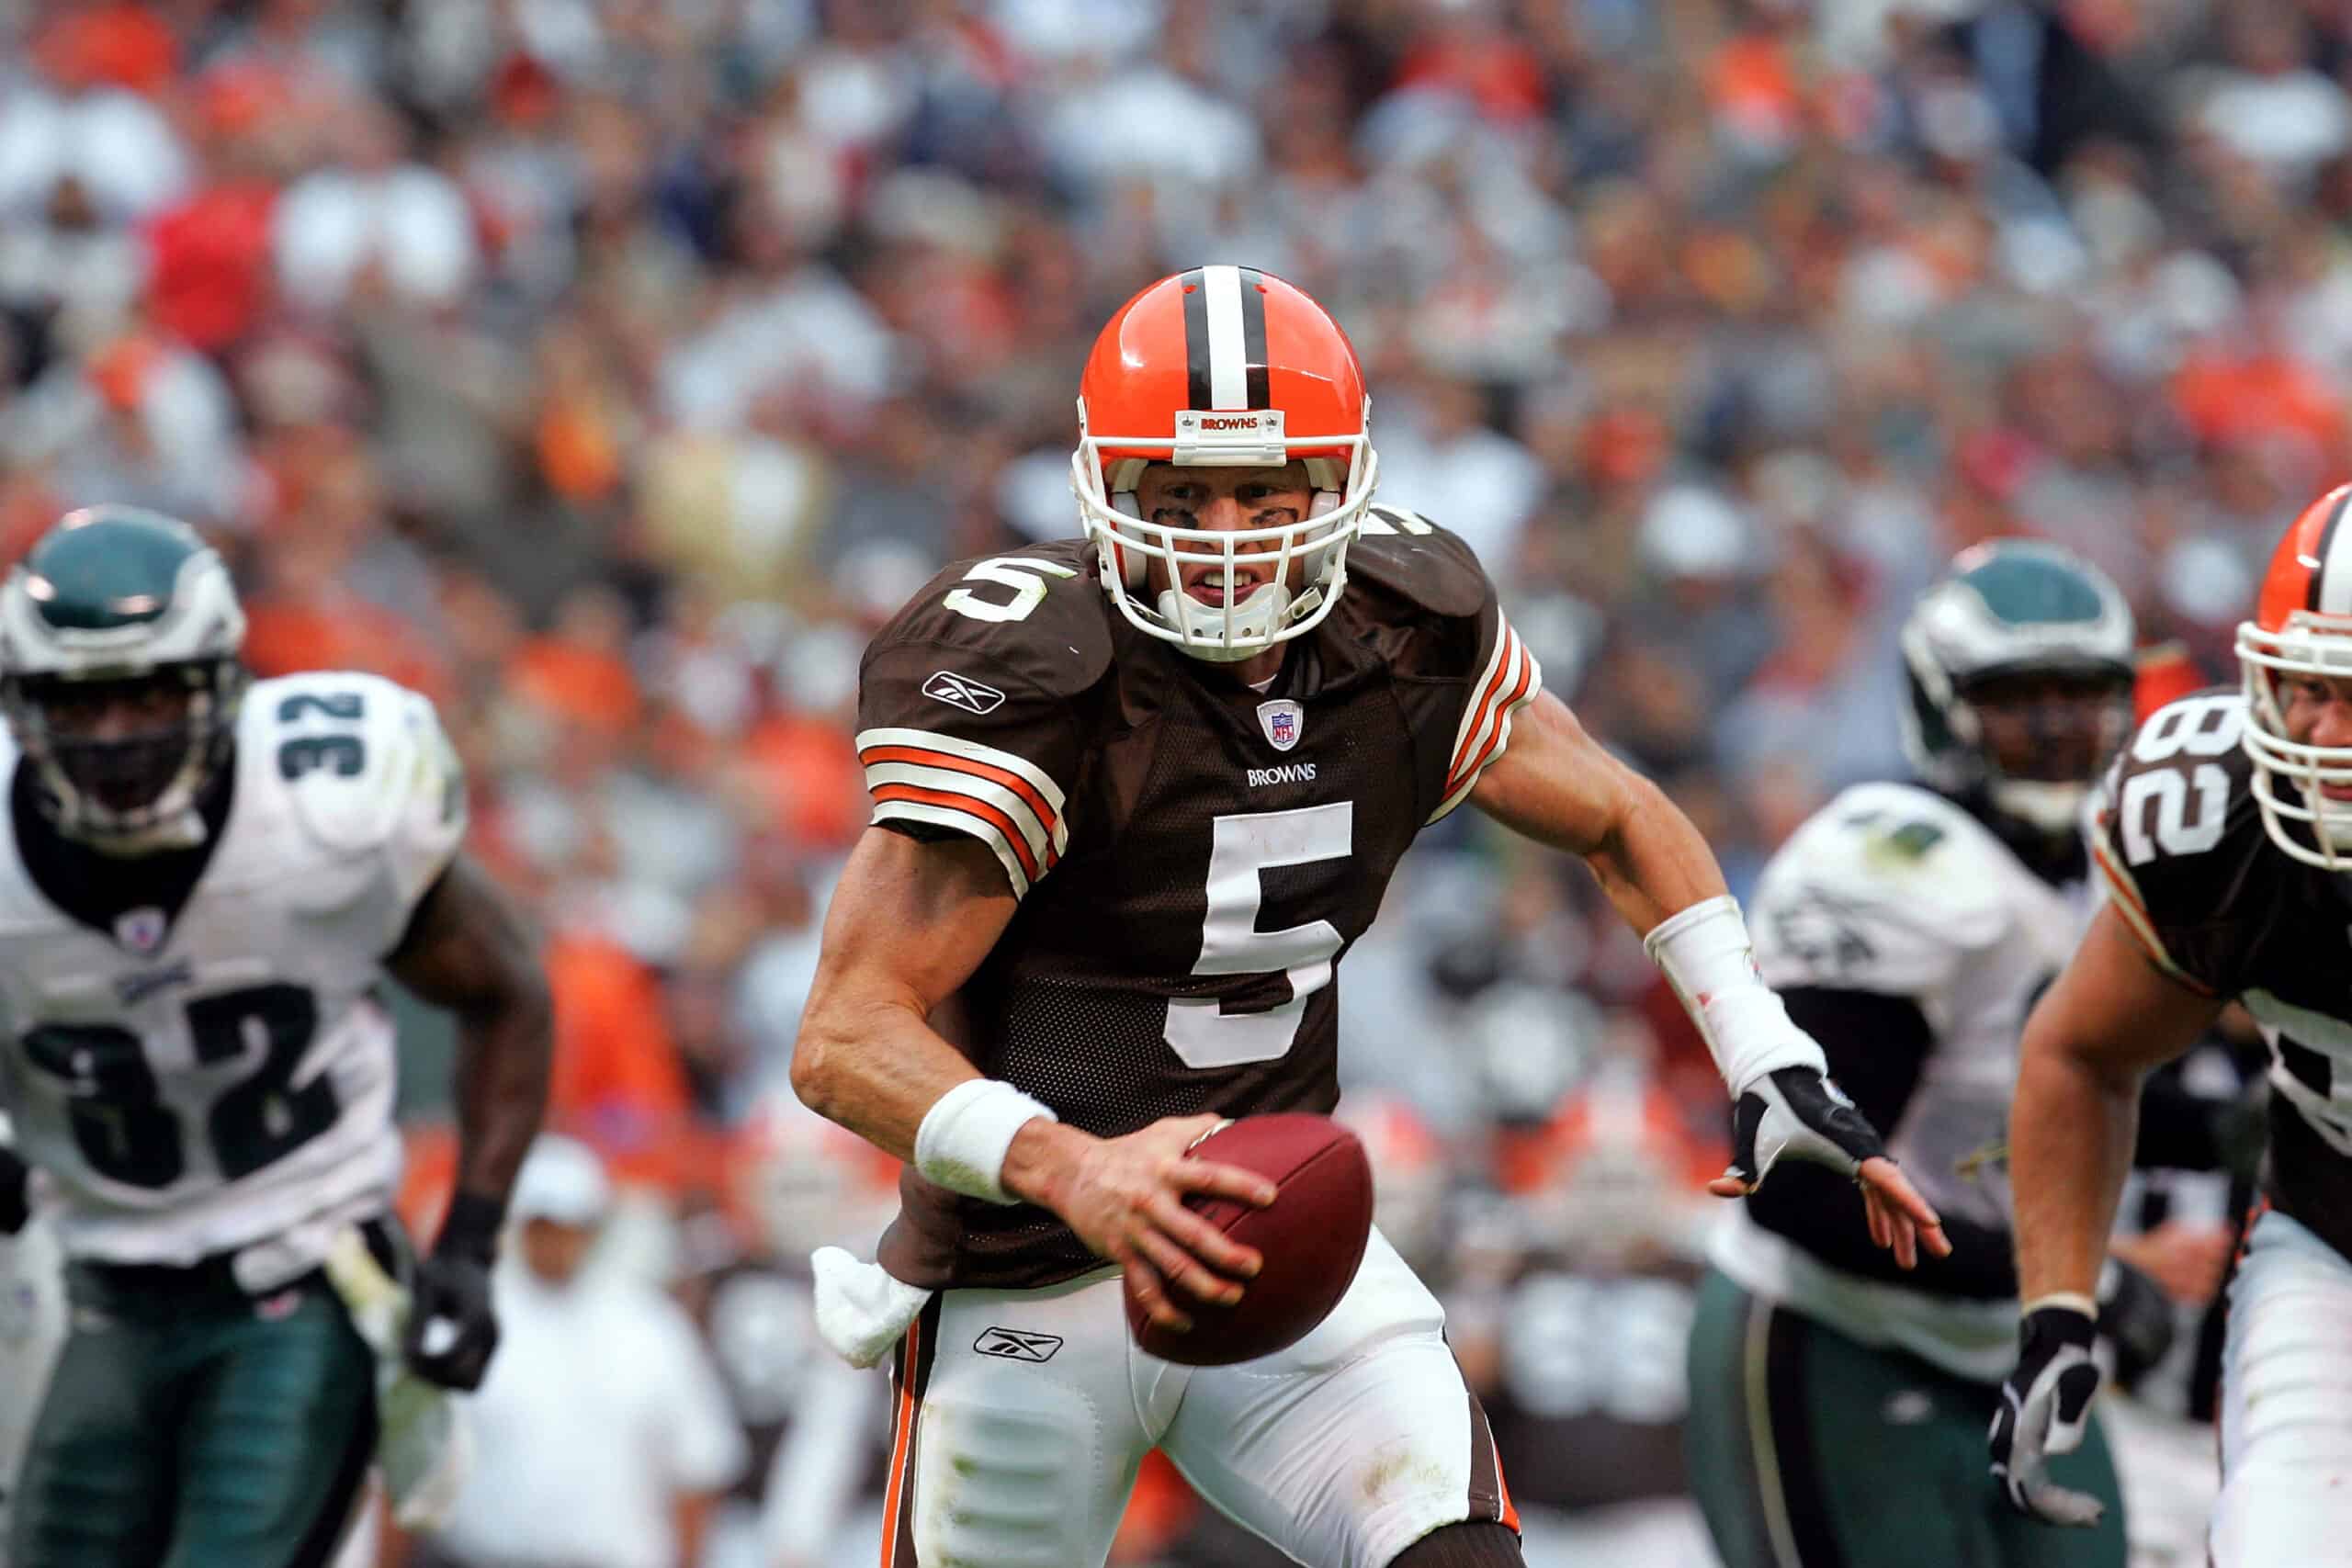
x=2072, y=1301
x=962, y=1142
x=1710, y=964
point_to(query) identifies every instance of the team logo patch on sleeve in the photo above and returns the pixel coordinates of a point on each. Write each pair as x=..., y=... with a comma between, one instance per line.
x=963, y=692
x=1283, y=720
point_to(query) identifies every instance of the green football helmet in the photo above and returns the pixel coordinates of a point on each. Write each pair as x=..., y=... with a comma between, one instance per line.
x=2029, y=640
x=119, y=674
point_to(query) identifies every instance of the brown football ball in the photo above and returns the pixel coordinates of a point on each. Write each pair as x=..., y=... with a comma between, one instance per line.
x=1312, y=1237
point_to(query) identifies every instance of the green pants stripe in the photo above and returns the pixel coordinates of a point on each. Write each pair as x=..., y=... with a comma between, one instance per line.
x=1809, y=1451
x=209, y=1431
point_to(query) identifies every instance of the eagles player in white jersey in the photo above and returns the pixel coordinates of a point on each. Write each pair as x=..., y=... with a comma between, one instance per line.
x=1839, y=1403
x=203, y=881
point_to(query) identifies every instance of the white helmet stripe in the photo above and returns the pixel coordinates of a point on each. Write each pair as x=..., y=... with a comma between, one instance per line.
x=1228, y=348
x=2334, y=580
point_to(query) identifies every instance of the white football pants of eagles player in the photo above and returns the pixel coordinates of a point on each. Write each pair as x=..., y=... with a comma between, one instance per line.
x=32, y=1327
x=2287, y=1405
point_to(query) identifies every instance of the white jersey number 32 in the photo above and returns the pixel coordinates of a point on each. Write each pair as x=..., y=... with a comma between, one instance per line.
x=129, y=1134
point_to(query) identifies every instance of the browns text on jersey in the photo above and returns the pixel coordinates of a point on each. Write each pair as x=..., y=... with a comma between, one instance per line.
x=1193, y=856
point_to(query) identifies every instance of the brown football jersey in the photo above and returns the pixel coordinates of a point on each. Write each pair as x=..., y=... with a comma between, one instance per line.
x=1193, y=857
x=2221, y=908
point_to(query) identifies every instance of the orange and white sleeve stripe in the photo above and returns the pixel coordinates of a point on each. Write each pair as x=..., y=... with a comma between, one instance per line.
x=1508, y=683
x=1007, y=802
x=2123, y=892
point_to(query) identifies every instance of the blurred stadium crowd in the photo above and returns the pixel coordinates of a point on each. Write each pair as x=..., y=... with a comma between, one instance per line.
x=608, y=368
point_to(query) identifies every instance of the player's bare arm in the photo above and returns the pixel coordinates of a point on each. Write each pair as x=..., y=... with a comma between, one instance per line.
x=2110, y=1018
x=911, y=921
x=469, y=950
x=1558, y=786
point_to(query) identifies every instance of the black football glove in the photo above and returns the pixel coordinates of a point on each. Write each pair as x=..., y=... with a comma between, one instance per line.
x=1798, y=1113
x=452, y=1325
x=2045, y=1409
x=16, y=1191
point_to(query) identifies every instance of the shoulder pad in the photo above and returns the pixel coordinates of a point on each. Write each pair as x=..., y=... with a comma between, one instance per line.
x=364, y=765
x=2178, y=816
x=1884, y=889
x=1402, y=556
x=1038, y=614
x=2187, y=753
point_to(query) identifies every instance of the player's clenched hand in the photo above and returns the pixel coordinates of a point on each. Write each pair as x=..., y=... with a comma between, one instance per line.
x=1125, y=1197
x=452, y=1325
x=1798, y=1113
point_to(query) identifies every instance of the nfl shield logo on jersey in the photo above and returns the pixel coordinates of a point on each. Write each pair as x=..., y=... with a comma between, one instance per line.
x=1281, y=719
x=142, y=930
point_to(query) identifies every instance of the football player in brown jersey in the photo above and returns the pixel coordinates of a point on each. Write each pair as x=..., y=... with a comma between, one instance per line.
x=1135, y=795
x=2225, y=842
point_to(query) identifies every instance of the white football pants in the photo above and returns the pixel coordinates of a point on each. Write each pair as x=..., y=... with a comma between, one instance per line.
x=2287, y=1405
x=1021, y=1416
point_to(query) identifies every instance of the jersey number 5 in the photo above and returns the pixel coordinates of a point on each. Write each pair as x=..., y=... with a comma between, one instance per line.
x=126, y=1133
x=1242, y=847
x=1020, y=573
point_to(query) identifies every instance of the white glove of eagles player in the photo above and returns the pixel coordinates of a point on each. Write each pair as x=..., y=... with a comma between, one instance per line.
x=2045, y=1409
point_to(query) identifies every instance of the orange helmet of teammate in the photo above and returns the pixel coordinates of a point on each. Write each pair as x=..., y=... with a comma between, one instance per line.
x=2302, y=626
x=1223, y=366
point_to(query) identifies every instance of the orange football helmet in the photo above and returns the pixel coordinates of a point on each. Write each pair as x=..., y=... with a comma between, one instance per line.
x=1230, y=367
x=2301, y=625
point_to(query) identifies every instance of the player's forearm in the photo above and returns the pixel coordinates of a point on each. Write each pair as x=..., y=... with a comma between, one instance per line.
x=1653, y=862
x=469, y=950
x=2071, y=1130
x=1664, y=883
x=505, y=1050
x=873, y=1064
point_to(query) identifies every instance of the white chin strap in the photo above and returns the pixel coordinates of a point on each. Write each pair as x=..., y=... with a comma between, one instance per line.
x=2055, y=809
x=1207, y=626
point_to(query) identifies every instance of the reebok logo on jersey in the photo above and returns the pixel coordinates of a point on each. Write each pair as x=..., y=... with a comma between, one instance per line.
x=1289, y=773
x=1017, y=1345
x=963, y=692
